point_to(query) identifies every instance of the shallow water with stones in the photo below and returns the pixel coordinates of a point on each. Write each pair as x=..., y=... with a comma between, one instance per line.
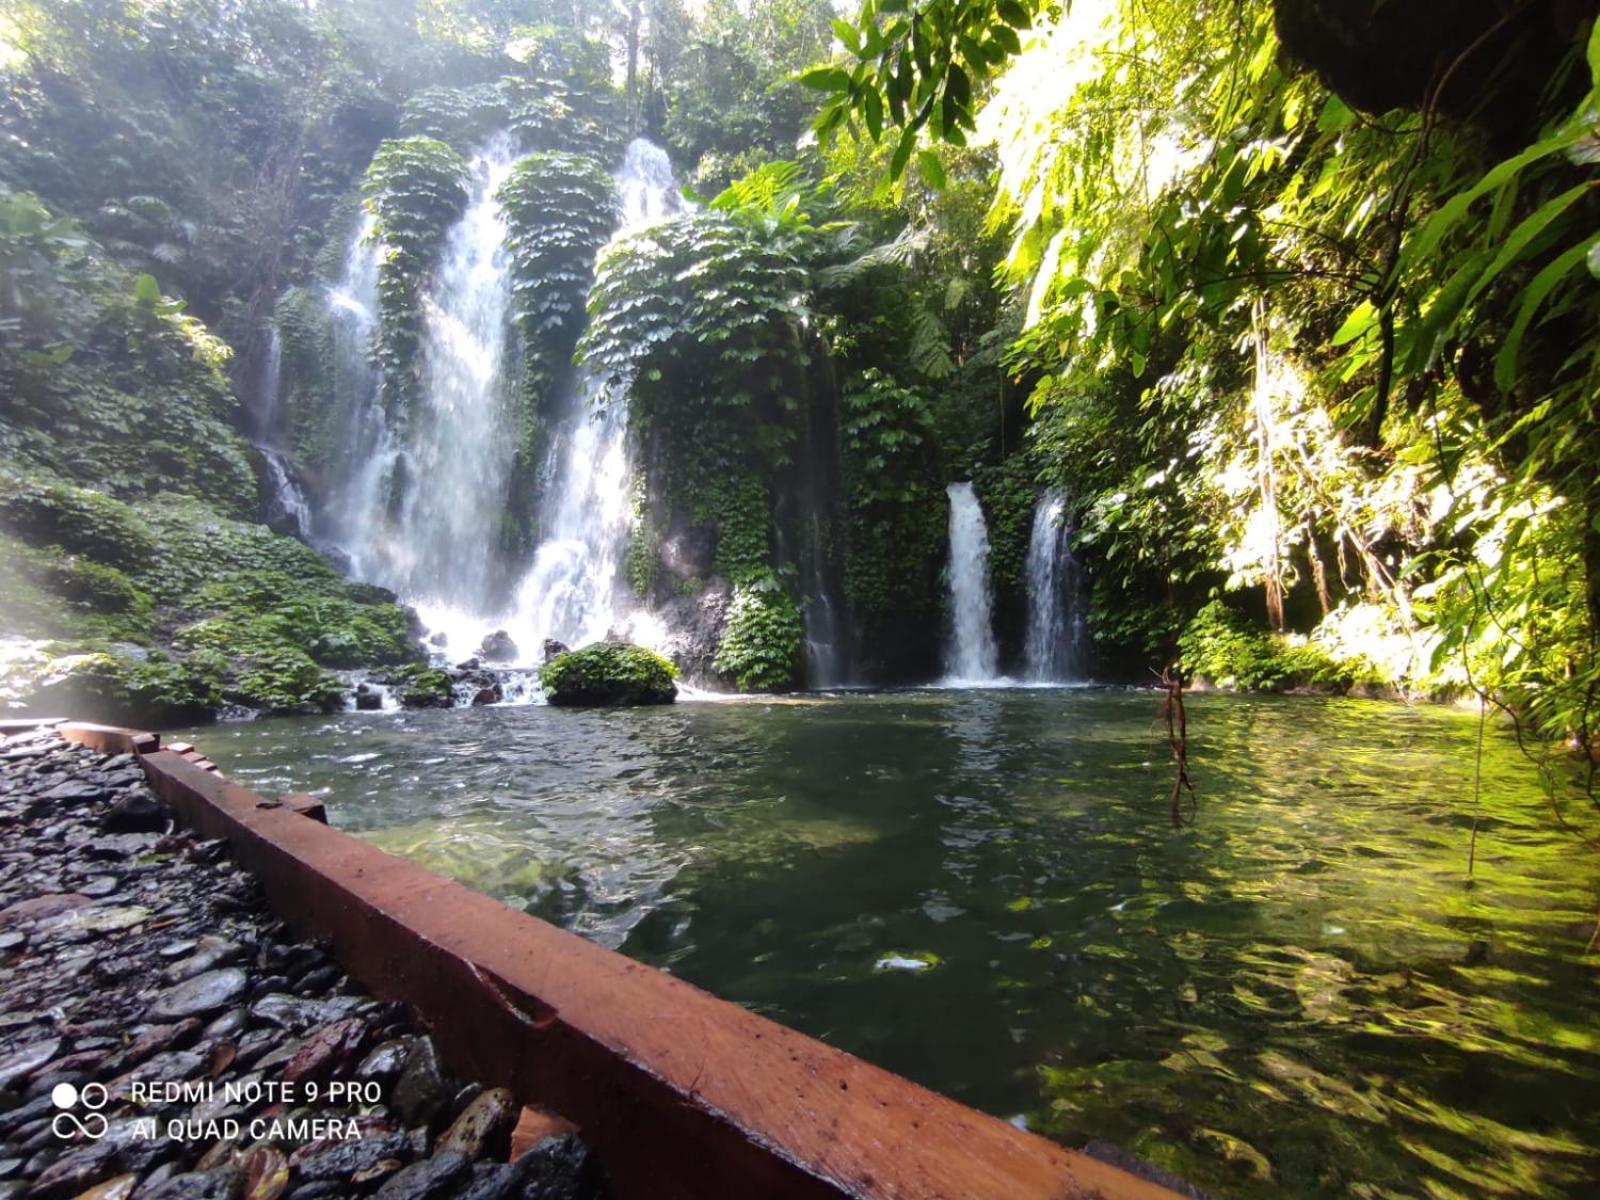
x=1300, y=992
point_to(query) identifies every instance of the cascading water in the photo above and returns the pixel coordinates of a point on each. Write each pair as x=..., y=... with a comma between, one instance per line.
x=459, y=458
x=355, y=518
x=437, y=547
x=284, y=503
x=571, y=592
x=970, y=653
x=1055, y=648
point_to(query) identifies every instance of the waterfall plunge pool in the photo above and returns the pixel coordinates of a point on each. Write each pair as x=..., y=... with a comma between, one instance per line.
x=1298, y=995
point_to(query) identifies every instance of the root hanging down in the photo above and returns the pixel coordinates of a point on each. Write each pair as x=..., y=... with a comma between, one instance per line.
x=1178, y=739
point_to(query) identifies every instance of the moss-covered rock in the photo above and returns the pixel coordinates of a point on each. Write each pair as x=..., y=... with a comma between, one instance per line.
x=609, y=673
x=419, y=686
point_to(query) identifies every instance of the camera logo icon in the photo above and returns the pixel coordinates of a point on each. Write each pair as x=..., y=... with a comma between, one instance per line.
x=92, y=1097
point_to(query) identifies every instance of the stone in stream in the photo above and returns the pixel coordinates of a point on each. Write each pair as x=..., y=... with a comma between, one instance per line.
x=498, y=647
x=200, y=996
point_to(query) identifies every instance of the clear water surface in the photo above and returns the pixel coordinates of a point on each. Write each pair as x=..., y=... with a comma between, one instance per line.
x=1298, y=994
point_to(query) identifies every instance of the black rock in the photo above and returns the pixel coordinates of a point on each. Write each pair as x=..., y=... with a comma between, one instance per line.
x=558, y=1168
x=223, y=1183
x=553, y=648
x=498, y=647
x=74, y=791
x=137, y=812
x=491, y=1181
x=422, y=1093
x=426, y=1180
x=199, y=996
x=340, y=1160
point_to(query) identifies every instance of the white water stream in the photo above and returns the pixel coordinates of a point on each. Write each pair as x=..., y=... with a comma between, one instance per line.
x=970, y=653
x=1054, y=647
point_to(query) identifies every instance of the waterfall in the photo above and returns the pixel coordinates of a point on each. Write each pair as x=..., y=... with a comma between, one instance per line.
x=1054, y=649
x=459, y=459
x=970, y=653
x=571, y=593
x=283, y=502
x=355, y=519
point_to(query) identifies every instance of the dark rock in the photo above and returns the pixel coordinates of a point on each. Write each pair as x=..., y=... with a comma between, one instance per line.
x=487, y=695
x=426, y=1180
x=384, y=1062
x=483, y=1130
x=74, y=791
x=229, y=1025
x=491, y=1181
x=121, y=845
x=40, y=907
x=220, y=1183
x=422, y=1092
x=553, y=648
x=368, y=699
x=209, y=953
x=200, y=995
x=439, y=639
x=332, y=1159
x=137, y=812
x=19, y=1065
x=295, y=1012
x=326, y=1050
x=498, y=647
x=558, y=1168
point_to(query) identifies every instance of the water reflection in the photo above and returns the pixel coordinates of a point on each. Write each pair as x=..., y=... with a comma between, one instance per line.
x=1299, y=994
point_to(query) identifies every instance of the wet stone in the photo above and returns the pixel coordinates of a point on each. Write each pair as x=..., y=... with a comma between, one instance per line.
x=209, y=953
x=199, y=996
x=558, y=1168
x=483, y=1130
x=426, y=1180
x=137, y=812
x=223, y=1183
x=422, y=1092
x=74, y=791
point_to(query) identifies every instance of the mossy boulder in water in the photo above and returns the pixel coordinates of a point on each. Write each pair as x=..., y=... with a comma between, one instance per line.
x=612, y=673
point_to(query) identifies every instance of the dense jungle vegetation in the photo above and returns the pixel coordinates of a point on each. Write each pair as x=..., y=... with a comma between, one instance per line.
x=1293, y=300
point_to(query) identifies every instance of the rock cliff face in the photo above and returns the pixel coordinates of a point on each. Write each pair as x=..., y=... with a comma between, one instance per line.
x=1490, y=61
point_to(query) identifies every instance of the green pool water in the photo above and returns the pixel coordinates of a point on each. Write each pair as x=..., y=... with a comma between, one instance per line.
x=1300, y=993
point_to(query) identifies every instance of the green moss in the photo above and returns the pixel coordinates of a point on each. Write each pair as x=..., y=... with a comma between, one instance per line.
x=762, y=640
x=609, y=673
x=419, y=686
x=154, y=691
x=46, y=593
x=49, y=512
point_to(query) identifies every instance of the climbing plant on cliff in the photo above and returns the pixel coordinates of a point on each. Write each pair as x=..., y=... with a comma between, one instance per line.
x=560, y=208
x=415, y=187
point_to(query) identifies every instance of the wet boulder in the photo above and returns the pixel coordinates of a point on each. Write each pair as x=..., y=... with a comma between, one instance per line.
x=498, y=647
